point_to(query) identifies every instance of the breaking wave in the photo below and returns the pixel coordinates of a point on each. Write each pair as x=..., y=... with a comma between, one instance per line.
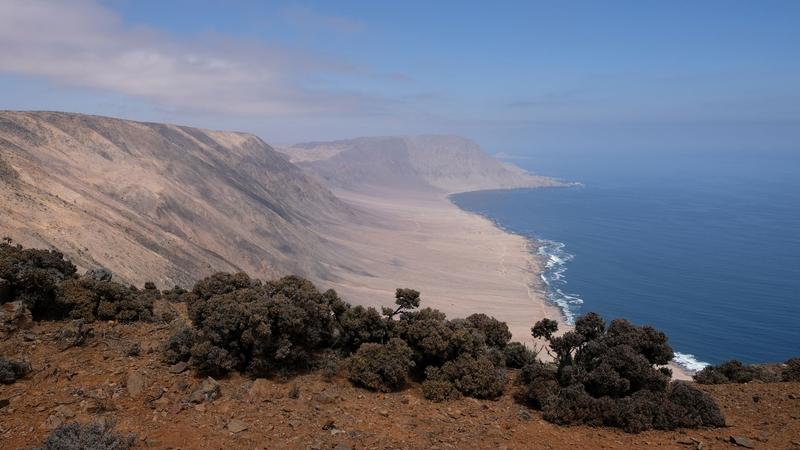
x=689, y=362
x=555, y=266
x=556, y=259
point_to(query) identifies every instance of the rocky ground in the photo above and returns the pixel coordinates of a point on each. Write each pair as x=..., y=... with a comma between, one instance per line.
x=107, y=379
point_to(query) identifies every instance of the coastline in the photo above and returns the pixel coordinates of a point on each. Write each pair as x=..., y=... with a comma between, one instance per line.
x=461, y=262
x=680, y=365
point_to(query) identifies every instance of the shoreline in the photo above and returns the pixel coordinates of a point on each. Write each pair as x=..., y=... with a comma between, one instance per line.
x=679, y=371
x=461, y=262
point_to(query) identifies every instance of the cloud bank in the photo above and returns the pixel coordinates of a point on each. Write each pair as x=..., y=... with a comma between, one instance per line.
x=83, y=44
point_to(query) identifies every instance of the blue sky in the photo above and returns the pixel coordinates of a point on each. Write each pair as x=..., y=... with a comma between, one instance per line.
x=517, y=77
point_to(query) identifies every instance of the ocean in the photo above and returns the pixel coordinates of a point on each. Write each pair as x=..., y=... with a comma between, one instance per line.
x=703, y=246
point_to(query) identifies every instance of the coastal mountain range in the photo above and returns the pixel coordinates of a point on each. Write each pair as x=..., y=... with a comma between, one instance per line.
x=171, y=204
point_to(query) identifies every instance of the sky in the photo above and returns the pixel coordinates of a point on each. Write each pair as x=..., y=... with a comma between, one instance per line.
x=516, y=76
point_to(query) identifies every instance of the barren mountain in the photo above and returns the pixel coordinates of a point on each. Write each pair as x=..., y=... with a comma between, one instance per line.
x=160, y=202
x=442, y=163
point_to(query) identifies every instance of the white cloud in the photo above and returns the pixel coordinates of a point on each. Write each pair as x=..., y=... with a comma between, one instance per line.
x=80, y=43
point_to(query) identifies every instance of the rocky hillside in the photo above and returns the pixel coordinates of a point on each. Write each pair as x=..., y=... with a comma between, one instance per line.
x=442, y=163
x=160, y=202
x=171, y=407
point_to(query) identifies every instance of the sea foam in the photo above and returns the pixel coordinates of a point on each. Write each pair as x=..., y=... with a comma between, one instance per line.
x=555, y=266
x=688, y=362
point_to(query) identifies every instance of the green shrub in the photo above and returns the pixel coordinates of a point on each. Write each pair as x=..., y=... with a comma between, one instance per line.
x=11, y=371
x=75, y=436
x=381, y=367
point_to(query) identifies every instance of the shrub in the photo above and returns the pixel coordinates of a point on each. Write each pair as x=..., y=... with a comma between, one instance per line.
x=428, y=333
x=11, y=371
x=517, y=355
x=732, y=371
x=361, y=325
x=471, y=376
x=609, y=376
x=381, y=367
x=222, y=283
x=178, y=347
x=438, y=390
x=538, y=383
x=91, y=299
x=32, y=276
x=495, y=332
x=262, y=328
x=792, y=370
x=75, y=436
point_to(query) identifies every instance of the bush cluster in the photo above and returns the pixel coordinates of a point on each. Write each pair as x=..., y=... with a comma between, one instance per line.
x=259, y=328
x=610, y=376
x=734, y=371
x=74, y=436
x=792, y=370
x=91, y=299
x=32, y=276
x=11, y=371
x=46, y=283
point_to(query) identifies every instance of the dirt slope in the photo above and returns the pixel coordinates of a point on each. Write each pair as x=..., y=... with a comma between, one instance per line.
x=89, y=384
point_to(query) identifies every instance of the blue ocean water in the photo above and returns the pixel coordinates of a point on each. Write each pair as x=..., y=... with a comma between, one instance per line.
x=704, y=246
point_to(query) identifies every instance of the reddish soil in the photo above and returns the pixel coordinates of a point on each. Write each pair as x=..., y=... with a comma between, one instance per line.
x=89, y=384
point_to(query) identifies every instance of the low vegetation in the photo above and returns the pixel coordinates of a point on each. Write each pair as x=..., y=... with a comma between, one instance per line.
x=381, y=367
x=75, y=436
x=11, y=371
x=597, y=374
x=613, y=376
x=48, y=286
x=734, y=371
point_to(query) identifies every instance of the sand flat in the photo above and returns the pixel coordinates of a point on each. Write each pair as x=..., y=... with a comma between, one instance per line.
x=461, y=262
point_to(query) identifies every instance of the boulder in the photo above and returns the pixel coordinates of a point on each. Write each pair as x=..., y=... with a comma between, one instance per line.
x=15, y=316
x=742, y=441
x=99, y=274
x=135, y=383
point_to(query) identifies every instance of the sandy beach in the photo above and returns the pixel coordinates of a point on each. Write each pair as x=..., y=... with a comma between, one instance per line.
x=460, y=262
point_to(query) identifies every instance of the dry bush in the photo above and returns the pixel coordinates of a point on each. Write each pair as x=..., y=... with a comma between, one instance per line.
x=360, y=325
x=517, y=355
x=381, y=367
x=32, y=276
x=75, y=436
x=471, y=376
x=11, y=371
x=259, y=328
x=609, y=376
x=792, y=370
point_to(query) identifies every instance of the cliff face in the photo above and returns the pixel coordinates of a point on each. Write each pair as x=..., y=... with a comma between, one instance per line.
x=160, y=202
x=439, y=163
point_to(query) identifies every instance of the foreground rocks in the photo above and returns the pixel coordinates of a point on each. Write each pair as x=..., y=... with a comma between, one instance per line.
x=167, y=408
